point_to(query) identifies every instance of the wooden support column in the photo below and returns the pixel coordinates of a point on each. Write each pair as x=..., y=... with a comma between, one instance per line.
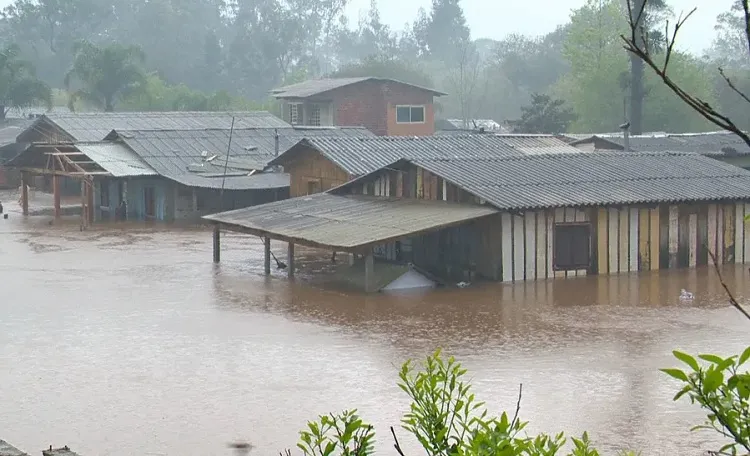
x=56, y=194
x=267, y=255
x=369, y=273
x=290, y=259
x=84, y=200
x=25, y=192
x=90, y=200
x=217, y=243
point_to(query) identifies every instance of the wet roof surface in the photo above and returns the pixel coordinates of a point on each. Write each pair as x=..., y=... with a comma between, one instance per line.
x=543, y=181
x=95, y=126
x=319, y=86
x=358, y=156
x=347, y=222
x=712, y=143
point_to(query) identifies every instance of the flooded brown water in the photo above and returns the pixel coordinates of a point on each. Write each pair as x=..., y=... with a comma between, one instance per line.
x=131, y=342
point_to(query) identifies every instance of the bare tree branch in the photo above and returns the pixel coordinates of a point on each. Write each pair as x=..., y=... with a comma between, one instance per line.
x=637, y=44
x=518, y=406
x=732, y=299
x=396, y=444
x=732, y=86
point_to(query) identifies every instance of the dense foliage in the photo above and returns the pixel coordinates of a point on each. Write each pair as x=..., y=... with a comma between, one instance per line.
x=204, y=54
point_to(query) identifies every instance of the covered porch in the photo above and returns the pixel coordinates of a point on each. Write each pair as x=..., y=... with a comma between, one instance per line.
x=355, y=224
x=83, y=162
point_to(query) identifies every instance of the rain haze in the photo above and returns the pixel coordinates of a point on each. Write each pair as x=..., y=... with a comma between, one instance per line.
x=221, y=219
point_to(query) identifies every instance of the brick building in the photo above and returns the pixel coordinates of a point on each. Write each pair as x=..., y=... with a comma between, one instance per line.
x=384, y=106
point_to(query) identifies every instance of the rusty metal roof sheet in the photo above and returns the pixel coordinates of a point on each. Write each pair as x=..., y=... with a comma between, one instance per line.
x=319, y=86
x=542, y=181
x=347, y=222
x=359, y=156
x=117, y=159
x=95, y=126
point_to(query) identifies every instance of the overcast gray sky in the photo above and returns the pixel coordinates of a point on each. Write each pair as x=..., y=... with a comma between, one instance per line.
x=496, y=18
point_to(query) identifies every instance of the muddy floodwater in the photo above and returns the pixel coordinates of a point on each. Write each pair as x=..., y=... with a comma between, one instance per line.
x=131, y=342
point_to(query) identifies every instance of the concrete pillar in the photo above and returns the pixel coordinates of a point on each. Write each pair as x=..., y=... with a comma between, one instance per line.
x=267, y=255
x=25, y=192
x=290, y=259
x=217, y=243
x=56, y=194
x=369, y=273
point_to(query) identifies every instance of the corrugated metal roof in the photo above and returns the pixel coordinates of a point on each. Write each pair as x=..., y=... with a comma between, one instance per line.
x=117, y=159
x=358, y=156
x=348, y=222
x=543, y=181
x=95, y=126
x=718, y=143
x=318, y=86
x=258, y=181
x=172, y=153
x=6, y=449
x=11, y=128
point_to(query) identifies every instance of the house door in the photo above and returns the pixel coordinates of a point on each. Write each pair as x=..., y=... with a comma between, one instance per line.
x=149, y=202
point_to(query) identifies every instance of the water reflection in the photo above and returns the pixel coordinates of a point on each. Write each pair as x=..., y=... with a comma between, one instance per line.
x=130, y=341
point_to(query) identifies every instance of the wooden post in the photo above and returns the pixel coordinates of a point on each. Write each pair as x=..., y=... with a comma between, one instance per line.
x=267, y=255
x=290, y=259
x=56, y=194
x=25, y=192
x=217, y=243
x=90, y=199
x=369, y=273
x=84, y=218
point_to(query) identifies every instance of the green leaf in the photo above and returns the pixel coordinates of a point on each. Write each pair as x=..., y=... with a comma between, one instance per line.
x=713, y=379
x=745, y=354
x=676, y=373
x=687, y=359
x=682, y=392
x=712, y=359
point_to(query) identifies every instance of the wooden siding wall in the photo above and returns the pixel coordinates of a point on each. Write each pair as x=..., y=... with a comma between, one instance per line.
x=517, y=247
x=312, y=166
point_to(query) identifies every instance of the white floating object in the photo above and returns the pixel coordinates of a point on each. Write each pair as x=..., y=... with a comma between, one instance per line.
x=686, y=295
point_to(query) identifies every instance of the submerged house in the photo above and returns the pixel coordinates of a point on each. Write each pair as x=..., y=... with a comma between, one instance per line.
x=721, y=145
x=386, y=107
x=521, y=217
x=163, y=166
x=319, y=164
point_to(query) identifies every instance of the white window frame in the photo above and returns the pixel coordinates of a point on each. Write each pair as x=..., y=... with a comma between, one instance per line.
x=424, y=114
x=295, y=108
x=314, y=108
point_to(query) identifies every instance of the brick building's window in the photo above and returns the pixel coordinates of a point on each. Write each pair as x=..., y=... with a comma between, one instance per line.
x=295, y=113
x=409, y=114
x=314, y=117
x=572, y=246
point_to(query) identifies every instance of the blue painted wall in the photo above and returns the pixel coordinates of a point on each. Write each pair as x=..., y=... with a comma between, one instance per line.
x=135, y=191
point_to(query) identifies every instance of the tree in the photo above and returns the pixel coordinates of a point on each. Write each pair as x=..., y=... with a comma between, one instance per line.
x=544, y=115
x=19, y=86
x=444, y=32
x=644, y=19
x=729, y=49
x=106, y=74
x=635, y=43
x=385, y=68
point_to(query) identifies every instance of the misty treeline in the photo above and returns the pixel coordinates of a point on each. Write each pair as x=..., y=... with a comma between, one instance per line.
x=215, y=54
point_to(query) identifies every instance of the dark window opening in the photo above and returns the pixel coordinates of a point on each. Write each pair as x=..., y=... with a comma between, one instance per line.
x=104, y=194
x=313, y=187
x=572, y=246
